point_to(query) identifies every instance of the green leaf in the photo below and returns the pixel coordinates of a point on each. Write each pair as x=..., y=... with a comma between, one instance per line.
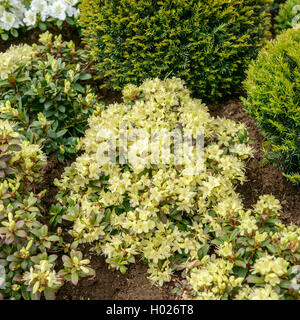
x=271, y=248
x=78, y=87
x=5, y=83
x=240, y=272
x=123, y=269
x=74, y=244
x=240, y=263
x=22, y=79
x=61, y=133
x=62, y=109
x=53, y=238
x=70, y=21
x=43, y=26
x=85, y=76
x=14, y=32
x=107, y=215
x=203, y=251
x=234, y=234
x=4, y=36
x=74, y=278
x=255, y=279
x=59, y=23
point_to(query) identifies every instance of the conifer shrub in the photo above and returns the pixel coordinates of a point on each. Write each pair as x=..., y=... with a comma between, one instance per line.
x=288, y=16
x=207, y=43
x=274, y=100
x=177, y=216
x=44, y=89
x=277, y=3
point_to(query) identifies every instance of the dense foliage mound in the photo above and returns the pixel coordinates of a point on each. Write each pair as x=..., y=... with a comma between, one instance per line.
x=207, y=43
x=288, y=16
x=177, y=215
x=274, y=100
x=277, y=3
x=42, y=90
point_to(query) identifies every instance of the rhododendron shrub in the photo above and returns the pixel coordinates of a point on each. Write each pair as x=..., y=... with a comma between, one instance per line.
x=175, y=216
x=43, y=88
x=26, y=243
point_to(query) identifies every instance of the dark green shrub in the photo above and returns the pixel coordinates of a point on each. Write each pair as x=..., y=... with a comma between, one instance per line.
x=289, y=14
x=206, y=43
x=277, y=3
x=273, y=86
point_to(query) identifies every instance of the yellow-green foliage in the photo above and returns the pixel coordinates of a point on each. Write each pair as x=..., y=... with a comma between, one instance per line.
x=170, y=217
x=287, y=12
x=11, y=59
x=274, y=100
x=277, y=3
x=207, y=43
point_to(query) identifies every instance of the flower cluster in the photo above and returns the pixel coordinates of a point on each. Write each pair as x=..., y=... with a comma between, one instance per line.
x=14, y=57
x=260, y=265
x=15, y=14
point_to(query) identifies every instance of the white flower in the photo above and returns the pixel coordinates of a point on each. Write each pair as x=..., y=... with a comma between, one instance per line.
x=71, y=11
x=41, y=7
x=1, y=11
x=58, y=10
x=30, y=18
x=8, y=19
x=71, y=2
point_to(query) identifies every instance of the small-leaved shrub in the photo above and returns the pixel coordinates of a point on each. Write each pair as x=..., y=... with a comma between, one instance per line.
x=176, y=216
x=48, y=97
x=26, y=243
x=207, y=43
x=277, y=3
x=288, y=11
x=274, y=100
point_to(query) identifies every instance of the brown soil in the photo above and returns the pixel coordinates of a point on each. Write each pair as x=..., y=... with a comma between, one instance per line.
x=68, y=33
x=261, y=180
x=112, y=285
x=52, y=171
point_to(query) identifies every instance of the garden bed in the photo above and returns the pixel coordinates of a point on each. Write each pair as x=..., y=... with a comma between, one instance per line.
x=261, y=179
